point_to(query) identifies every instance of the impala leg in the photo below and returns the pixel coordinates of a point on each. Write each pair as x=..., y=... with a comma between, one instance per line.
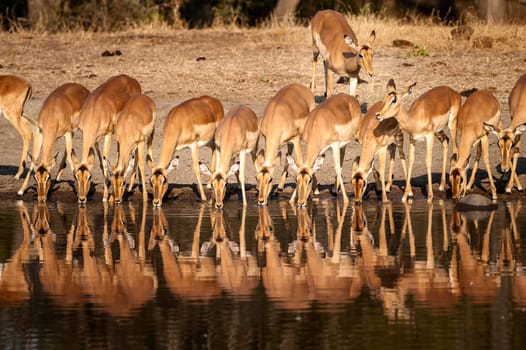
x=429, y=162
x=315, y=54
x=68, y=137
x=408, y=192
x=485, y=156
x=285, y=172
x=37, y=144
x=134, y=174
x=399, y=140
x=105, y=154
x=514, y=178
x=382, y=155
x=475, y=167
x=26, y=132
x=141, y=162
x=328, y=79
x=452, y=125
x=337, y=152
x=444, y=140
x=195, y=165
x=392, y=153
x=241, y=176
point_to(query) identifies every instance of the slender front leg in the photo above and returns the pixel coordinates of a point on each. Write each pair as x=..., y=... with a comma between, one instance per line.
x=475, y=167
x=328, y=79
x=429, y=162
x=285, y=172
x=195, y=165
x=315, y=54
x=336, y=151
x=441, y=136
x=382, y=154
x=485, y=156
x=105, y=153
x=514, y=178
x=141, y=165
x=408, y=192
x=392, y=153
x=241, y=176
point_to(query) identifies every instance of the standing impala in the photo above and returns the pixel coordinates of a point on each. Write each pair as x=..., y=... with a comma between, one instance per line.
x=509, y=138
x=57, y=118
x=332, y=124
x=191, y=124
x=333, y=38
x=427, y=118
x=475, y=120
x=283, y=122
x=96, y=120
x=133, y=133
x=14, y=93
x=236, y=134
x=377, y=138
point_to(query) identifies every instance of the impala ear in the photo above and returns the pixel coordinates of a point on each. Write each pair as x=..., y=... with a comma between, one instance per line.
x=408, y=91
x=204, y=169
x=355, y=165
x=277, y=160
x=149, y=162
x=233, y=169
x=173, y=164
x=372, y=37
x=519, y=129
x=350, y=41
x=391, y=86
x=292, y=163
x=30, y=161
x=131, y=165
x=454, y=159
x=491, y=129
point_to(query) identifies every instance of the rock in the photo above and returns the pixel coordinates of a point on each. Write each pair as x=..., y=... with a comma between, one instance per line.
x=475, y=206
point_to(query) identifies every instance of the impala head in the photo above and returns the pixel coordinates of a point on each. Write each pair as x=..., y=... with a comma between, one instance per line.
x=159, y=180
x=264, y=176
x=218, y=182
x=508, y=138
x=365, y=53
x=359, y=180
x=304, y=179
x=117, y=179
x=457, y=178
x=392, y=102
x=42, y=177
x=83, y=175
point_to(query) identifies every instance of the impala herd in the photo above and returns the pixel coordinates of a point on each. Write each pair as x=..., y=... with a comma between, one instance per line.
x=118, y=109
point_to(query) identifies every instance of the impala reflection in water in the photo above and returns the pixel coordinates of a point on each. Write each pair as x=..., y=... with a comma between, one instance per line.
x=260, y=266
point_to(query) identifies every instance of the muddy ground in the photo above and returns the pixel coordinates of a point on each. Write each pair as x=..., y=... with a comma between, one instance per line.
x=238, y=66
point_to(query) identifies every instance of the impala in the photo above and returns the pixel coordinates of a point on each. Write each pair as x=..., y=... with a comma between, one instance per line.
x=96, y=120
x=283, y=122
x=377, y=138
x=475, y=120
x=191, y=124
x=509, y=138
x=333, y=38
x=133, y=133
x=58, y=118
x=428, y=116
x=332, y=124
x=237, y=133
x=14, y=93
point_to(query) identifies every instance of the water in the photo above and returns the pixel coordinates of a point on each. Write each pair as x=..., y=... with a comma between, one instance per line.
x=330, y=276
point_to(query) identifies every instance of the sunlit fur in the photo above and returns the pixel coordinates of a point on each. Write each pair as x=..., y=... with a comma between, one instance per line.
x=43, y=180
x=505, y=145
x=159, y=186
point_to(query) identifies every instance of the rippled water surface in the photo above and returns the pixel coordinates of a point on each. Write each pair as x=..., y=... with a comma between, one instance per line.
x=329, y=276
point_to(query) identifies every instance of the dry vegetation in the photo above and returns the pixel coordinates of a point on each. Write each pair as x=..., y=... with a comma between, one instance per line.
x=241, y=65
